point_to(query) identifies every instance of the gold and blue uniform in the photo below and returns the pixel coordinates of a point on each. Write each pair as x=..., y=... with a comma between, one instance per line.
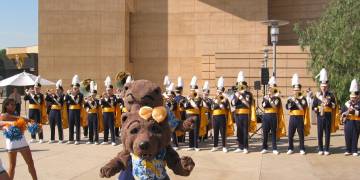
x=37, y=110
x=273, y=120
x=219, y=107
x=75, y=106
x=324, y=106
x=352, y=125
x=299, y=120
x=108, y=106
x=55, y=102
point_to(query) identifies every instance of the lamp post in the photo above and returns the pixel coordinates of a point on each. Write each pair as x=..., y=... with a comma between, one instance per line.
x=265, y=65
x=266, y=56
x=274, y=33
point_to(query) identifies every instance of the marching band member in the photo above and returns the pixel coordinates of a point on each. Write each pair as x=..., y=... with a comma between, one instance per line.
x=37, y=108
x=193, y=106
x=119, y=110
x=324, y=105
x=56, y=102
x=206, y=104
x=299, y=116
x=180, y=112
x=350, y=114
x=108, y=103
x=92, y=107
x=74, y=99
x=219, y=108
x=273, y=117
x=167, y=83
x=121, y=95
x=120, y=80
x=171, y=105
x=245, y=116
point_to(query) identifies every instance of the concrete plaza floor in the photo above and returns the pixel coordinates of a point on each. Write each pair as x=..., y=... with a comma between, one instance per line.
x=80, y=162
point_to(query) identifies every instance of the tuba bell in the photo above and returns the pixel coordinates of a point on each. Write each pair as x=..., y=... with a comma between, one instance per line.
x=120, y=79
x=85, y=87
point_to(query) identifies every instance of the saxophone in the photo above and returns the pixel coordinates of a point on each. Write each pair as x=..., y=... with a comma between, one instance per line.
x=324, y=102
x=346, y=113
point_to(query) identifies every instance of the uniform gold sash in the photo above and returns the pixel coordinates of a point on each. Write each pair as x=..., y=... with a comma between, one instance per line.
x=92, y=110
x=106, y=109
x=217, y=112
x=55, y=107
x=353, y=117
x=77, y=106
x=242, y=111
x=326, y=109
x=297, y=112
x=192, y=111
x=34, y=106
x=271, y=110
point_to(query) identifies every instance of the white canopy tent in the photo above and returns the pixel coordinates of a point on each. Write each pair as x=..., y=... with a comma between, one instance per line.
x=24, y=79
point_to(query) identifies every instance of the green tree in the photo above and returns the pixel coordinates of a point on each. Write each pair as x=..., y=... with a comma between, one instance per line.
x=334, y=43
x=2, y=53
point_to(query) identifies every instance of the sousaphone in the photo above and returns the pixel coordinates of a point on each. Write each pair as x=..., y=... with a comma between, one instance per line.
x=85, y=87
x=120, y=79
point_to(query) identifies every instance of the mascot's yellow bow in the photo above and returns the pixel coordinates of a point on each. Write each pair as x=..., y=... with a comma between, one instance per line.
x=158, y=113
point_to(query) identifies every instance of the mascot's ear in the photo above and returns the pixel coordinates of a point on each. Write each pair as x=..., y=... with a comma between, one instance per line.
x=124, y=117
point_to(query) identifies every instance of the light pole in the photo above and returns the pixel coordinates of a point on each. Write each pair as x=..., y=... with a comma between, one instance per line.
x=265, y=65
x=266, y=56
x=274, y=33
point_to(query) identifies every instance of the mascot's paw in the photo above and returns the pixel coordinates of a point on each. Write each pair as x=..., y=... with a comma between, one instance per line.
x=187, y=163
x=188, y=124
x=108, y=171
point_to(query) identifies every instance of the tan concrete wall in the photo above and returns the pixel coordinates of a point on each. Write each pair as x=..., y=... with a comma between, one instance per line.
x=295, y=11
x=290, y=60
x=148, y=39
x=170, y=36
x=84, y=37
x=154, y=38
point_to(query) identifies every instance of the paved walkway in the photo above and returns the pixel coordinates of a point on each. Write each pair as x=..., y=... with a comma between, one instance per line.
x=80, y=162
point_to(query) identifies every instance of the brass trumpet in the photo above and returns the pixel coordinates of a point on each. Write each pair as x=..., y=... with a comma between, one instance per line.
x=274, y=90
x=299, y=94
x=220, y=98
x=241, y=87
x=193, y=95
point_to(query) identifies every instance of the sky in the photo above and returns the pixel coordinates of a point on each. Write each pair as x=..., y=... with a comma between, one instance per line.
x=18, y=23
